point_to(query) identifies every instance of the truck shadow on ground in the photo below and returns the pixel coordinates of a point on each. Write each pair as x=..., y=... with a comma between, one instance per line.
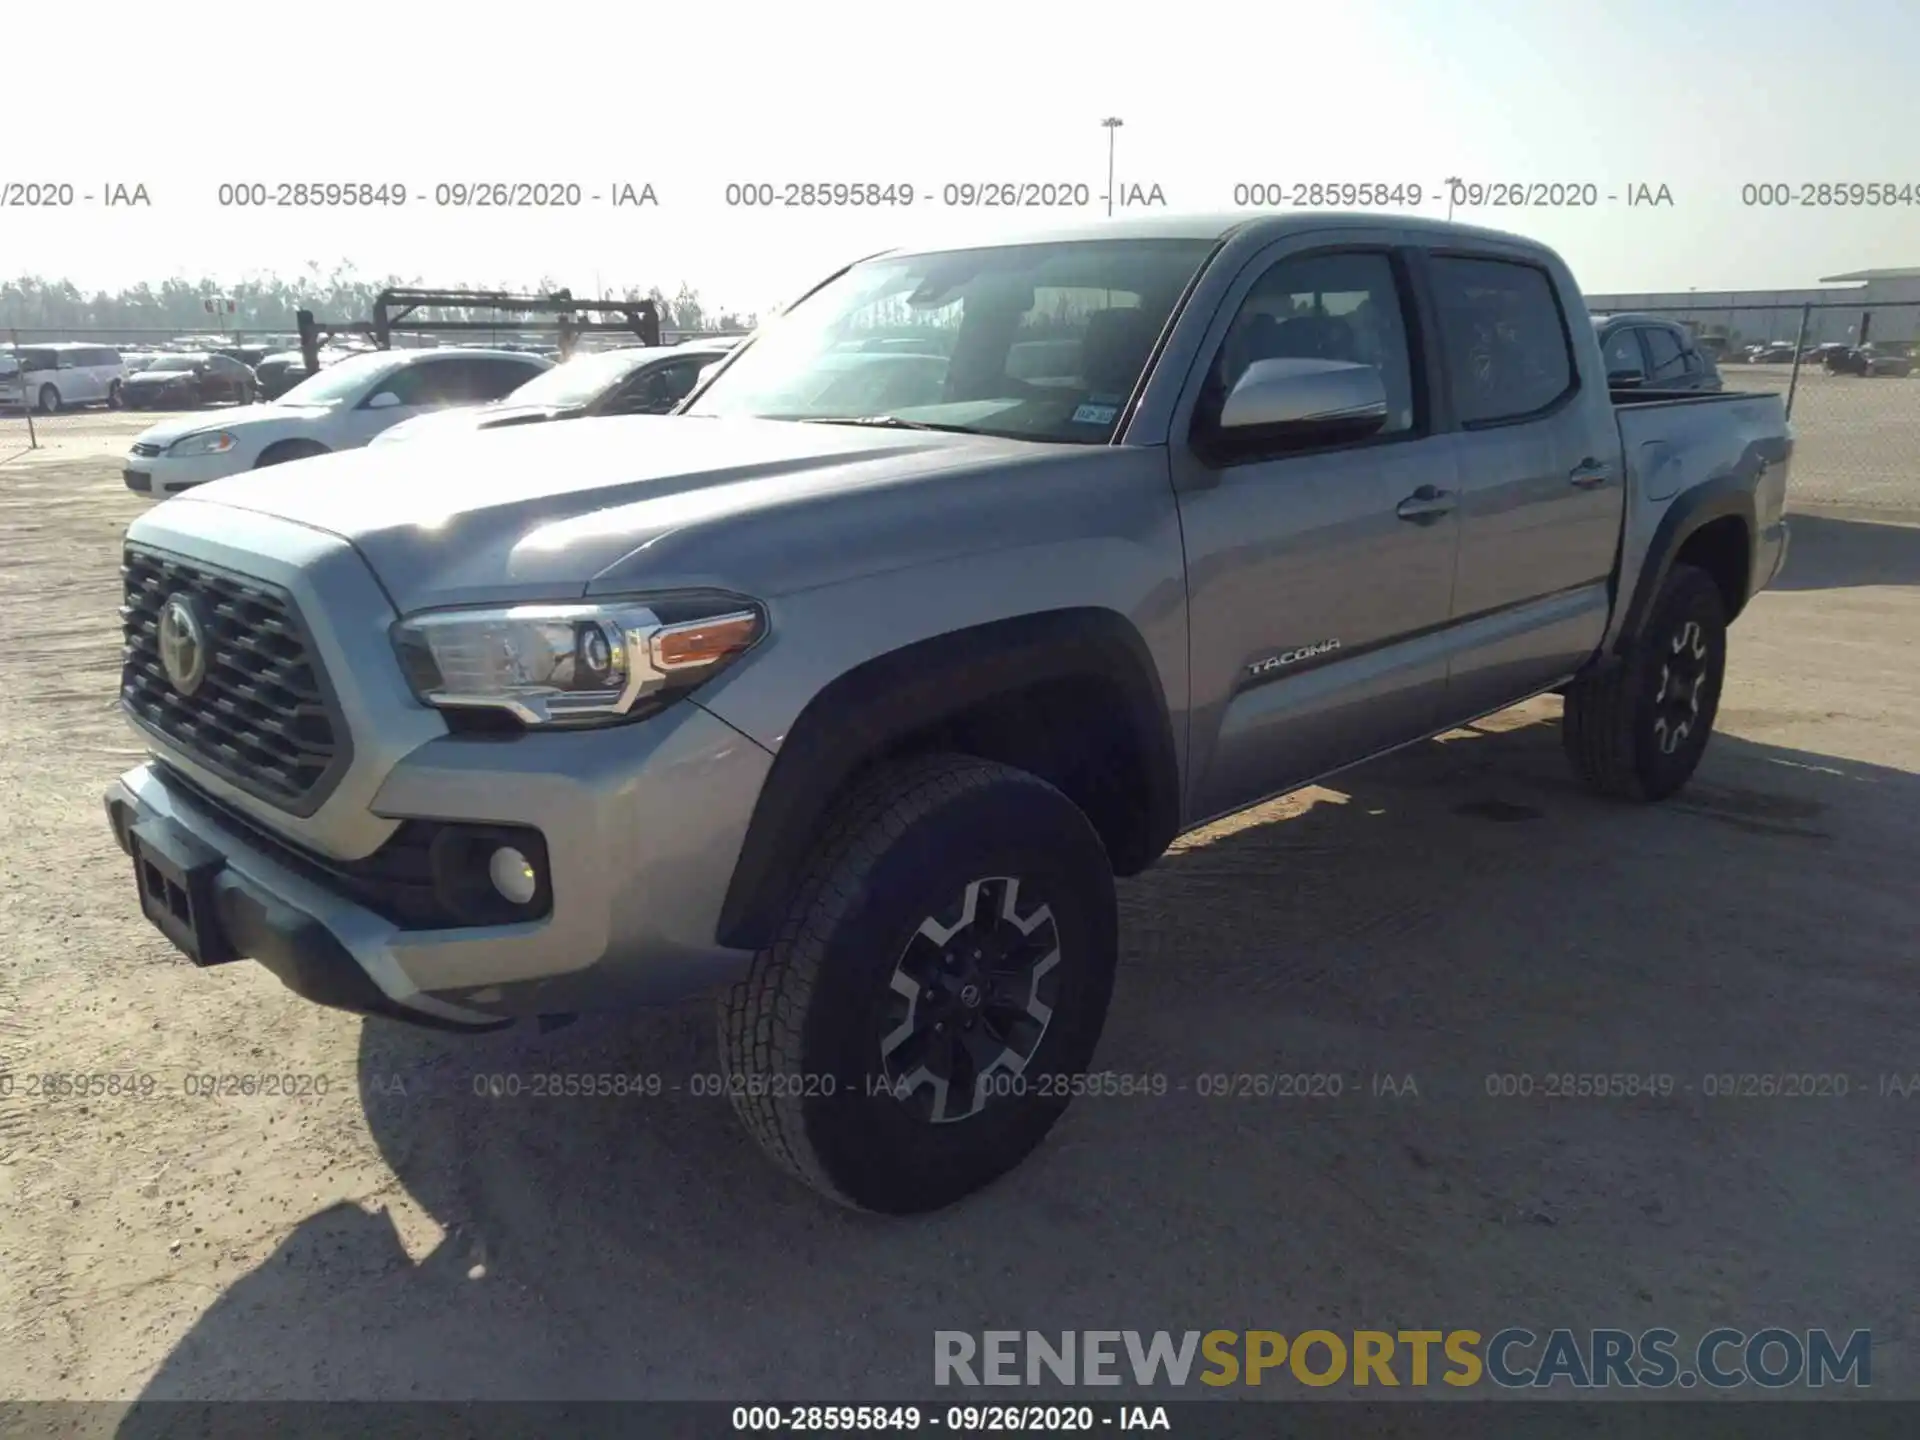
x=1833, y=552
x=1442, y=920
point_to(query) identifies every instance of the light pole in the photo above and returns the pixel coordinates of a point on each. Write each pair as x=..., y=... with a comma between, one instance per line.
x=1112, y=124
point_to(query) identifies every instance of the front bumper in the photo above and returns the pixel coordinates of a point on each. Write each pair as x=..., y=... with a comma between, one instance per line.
x=261, y=922
x=1774, y=542
x=642, y=832
x=165, y=474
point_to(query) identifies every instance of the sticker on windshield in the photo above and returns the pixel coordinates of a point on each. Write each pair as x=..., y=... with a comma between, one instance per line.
x=1095, y=414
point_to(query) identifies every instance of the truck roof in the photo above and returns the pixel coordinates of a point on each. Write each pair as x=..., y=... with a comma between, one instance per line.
x=1215, y=226
x=1634, y=317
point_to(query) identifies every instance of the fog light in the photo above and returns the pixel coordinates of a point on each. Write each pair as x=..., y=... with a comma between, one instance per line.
x=512, y=875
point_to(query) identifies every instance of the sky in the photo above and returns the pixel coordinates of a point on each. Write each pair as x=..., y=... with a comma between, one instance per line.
x=1700, y=96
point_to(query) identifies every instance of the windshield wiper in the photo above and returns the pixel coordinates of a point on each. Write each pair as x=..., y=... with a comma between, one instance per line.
x=886, y=422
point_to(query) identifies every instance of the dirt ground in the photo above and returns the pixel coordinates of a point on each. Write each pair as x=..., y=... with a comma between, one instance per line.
x=1455, y=913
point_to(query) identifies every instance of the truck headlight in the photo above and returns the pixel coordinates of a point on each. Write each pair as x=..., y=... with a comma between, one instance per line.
x=207, y=442
x=575, y=664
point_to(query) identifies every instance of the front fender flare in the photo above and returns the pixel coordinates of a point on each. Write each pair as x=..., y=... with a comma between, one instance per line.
x=872, y=710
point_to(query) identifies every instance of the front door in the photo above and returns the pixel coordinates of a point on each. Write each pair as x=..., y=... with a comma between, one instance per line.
x=1316, y=579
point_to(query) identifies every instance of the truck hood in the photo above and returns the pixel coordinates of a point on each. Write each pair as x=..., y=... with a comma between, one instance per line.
x=545, y=511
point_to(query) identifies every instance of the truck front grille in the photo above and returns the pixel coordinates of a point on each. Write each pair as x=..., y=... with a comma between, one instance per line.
x=260, y=716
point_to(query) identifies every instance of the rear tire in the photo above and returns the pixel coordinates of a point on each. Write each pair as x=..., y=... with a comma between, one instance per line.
x=885, y=1051
x=1637, y=731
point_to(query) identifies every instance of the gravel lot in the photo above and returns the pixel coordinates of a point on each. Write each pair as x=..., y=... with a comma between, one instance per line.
x=1455, y=912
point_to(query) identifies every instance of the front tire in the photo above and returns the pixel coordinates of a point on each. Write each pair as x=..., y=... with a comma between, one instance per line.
x=287, y=450
x=943, y=971
x=1637, y=732
x=49, y=400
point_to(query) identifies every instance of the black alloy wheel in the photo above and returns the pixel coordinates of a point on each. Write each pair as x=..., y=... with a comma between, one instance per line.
x=972, y=997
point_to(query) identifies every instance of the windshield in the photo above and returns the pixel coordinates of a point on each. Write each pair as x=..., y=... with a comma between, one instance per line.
x=177, y=362
x=580, y=380
x=340, y=381
x=1036, y=342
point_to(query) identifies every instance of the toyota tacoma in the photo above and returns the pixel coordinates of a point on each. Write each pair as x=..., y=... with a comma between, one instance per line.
x=965, y=586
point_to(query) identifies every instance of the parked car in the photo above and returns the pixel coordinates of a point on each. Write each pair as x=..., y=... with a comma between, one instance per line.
x=853, y=716
x=1775, y=352
x=640, y=380
x=341, y=408
x=62, y=375
x=1819, y=354
x=1655, y=354
x=280, y=371
x=189, y=379
x=248, y=355
x=1877, y=357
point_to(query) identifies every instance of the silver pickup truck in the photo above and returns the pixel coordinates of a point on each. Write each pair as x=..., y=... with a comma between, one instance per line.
x=962, y=588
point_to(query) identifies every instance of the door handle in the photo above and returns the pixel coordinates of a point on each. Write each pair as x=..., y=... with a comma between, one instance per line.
x=1426, y=504
x=1589, y=473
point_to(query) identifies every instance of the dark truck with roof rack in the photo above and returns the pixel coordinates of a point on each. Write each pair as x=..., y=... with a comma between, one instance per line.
x=846, y=691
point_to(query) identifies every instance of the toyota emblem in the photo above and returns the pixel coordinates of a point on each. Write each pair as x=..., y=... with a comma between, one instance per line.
x=183, y=644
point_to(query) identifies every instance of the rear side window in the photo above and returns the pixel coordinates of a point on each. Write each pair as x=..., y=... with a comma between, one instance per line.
x=1507, y=353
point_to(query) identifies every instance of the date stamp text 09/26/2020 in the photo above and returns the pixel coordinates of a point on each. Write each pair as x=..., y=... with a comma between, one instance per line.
x=1060, y=194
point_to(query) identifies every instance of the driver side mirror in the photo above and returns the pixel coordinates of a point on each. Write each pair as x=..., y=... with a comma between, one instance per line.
x=1306, y=402
x=385, y=400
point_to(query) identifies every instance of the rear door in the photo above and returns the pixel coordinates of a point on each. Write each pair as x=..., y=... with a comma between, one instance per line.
x=1316, y=578
x=82, y=382
x=111, y=371
x=1541, y=494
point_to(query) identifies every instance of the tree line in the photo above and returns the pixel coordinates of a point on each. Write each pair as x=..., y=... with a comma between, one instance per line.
x=41, y=308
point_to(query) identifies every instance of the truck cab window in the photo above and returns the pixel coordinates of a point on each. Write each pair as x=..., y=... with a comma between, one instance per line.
x=1507, y=354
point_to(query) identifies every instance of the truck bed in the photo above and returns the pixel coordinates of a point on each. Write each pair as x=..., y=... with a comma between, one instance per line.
x=1675, y=443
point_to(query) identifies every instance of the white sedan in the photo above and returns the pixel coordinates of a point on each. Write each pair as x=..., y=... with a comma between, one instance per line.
x=341, y=408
